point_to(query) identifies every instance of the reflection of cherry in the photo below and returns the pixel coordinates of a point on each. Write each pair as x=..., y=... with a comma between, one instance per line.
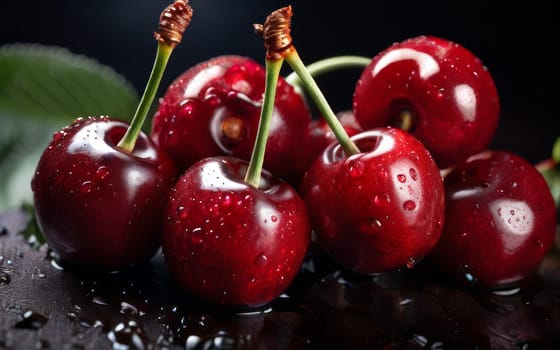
x=101, y=184
x=499, y=223
x=213, y=109
x=235, y=235
x=434, y=88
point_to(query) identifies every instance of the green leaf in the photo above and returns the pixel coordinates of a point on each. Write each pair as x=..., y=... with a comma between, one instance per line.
x=42, y=89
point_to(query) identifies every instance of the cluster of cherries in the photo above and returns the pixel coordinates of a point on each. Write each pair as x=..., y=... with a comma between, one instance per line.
x=405, y=175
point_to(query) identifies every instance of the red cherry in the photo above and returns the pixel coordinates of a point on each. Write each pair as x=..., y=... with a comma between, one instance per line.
x=97, y=205
x=434, y=88
x=101, y=184
x=213, y=109
x=378, y=210
x=500, y=221
x=230, y=243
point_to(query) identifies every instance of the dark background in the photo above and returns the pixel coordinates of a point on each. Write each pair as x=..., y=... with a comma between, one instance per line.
x=515, y=41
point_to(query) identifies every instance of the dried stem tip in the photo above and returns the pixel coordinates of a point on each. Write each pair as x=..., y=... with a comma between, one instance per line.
x=276, y=33
x=173, y=22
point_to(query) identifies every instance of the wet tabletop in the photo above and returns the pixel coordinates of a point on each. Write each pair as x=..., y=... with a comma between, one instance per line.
x=44, y=305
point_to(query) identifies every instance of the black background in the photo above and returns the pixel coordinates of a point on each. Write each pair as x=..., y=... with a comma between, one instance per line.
x=515, y=41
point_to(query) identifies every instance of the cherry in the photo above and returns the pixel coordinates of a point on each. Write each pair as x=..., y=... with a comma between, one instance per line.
x=97, y=205
x=434, y=88
x=100, y=185
x=376, y=200
x=213, y=108
x=500, y=221
x=235, y=235
x=380, y=209
x=230, y=243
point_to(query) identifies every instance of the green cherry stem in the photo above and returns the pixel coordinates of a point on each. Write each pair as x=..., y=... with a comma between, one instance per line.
x=129, y=139
x=328, y=65
x=317, y=96
x=173, y=21
x=253, y=174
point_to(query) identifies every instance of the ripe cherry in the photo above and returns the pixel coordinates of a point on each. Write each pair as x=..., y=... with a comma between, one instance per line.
x=213, y=108
x=230, y=243
x=236, y=235
x=101, y=184
x=379, y=209
x=434, y=88
x=97, y=205
x=500, y=221
x=375, y=200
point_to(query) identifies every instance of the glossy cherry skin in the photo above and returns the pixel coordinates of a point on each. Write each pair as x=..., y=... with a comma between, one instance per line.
x=229, y=243
x=98, y=206
x=214, y=108
x=379, y=210
x=320, y=134
x=500, y=221
x=451, y=97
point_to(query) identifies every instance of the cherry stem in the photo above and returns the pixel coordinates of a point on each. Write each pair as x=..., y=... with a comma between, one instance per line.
x=314, y=91
x=173, y=21
x=328, y=65
x=128, y=141
x=253, y=174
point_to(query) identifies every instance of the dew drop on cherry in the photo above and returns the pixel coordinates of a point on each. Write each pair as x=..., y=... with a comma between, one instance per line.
x=411, y=263
x=356, y=169
x=413, y=174
x=371, y=226
x=197, y=235
x=261, y=260
x=101, y=173
x=86, y=187
x=381, y=200
x=409, y=205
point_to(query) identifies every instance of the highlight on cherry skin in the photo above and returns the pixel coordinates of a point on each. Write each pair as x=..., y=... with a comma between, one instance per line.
x=229, y=243
x=379, y=210
x=434, y=88
x=98, y=206
x=213, y=108
x=500, y=221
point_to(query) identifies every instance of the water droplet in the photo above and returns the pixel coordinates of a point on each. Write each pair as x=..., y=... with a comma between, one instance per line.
x=100, y=301
x=31, y=320
x=86, y=186
x=181, y=213
x=381, y=199
x=409, y=205
x=401, y=178
x=273, y=218
x=371, y=226
x=356, y=168
x=466, y=276
x=4, y=278
x=413, y=174
x=411, y=263
x=197, y=235
x=101, y=173
x=261, y=260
